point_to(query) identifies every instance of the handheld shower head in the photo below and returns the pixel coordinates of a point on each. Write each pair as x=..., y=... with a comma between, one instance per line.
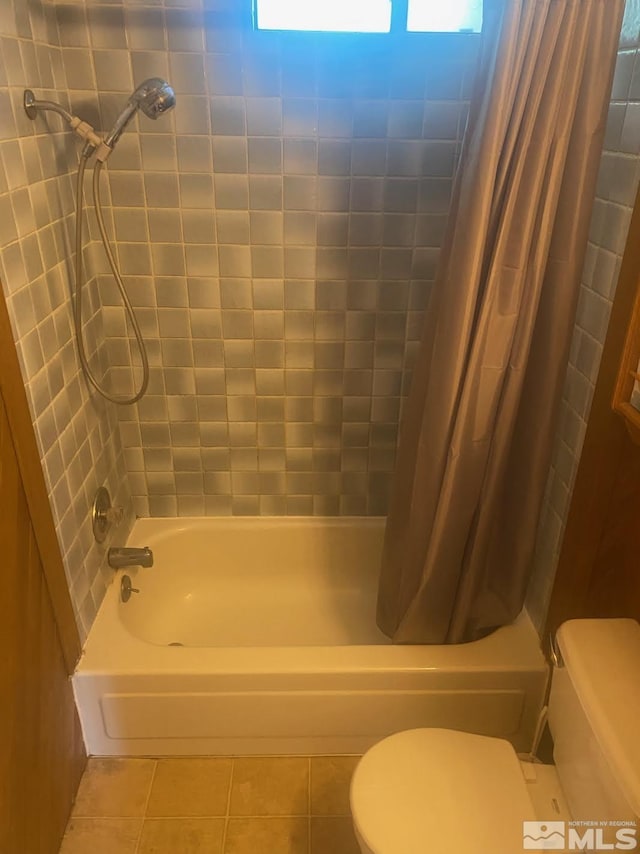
x=154, y=97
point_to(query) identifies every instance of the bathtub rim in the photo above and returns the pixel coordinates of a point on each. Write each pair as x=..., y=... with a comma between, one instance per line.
x=111, y=647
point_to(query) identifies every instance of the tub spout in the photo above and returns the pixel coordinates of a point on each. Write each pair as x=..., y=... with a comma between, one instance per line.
x=120, y=558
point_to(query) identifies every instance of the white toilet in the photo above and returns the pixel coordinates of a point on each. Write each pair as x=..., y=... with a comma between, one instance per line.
x=438, y=791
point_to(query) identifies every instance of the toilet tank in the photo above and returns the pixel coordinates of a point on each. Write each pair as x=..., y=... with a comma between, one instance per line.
x=594, y=717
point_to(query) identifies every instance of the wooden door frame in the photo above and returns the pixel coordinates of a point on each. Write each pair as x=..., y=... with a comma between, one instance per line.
x=28, y=456
x=606, y=452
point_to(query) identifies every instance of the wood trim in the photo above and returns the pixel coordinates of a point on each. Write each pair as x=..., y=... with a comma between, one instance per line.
x=19, y=418
x=631, y=419
x=42, y=753
x=627, y=374
x=603, y=520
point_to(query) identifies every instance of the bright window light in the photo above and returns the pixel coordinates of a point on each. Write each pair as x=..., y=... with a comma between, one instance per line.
x=350, y=16
x=450, y=16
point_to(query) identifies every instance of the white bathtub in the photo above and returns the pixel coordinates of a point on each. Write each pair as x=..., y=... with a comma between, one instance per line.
x=258, y=635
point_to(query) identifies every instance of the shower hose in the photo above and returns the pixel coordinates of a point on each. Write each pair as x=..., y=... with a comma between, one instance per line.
x=77, y=313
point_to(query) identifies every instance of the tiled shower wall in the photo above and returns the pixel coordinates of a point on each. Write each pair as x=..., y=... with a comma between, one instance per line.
x=617, y=186
x=77, y=435
x=279, y=233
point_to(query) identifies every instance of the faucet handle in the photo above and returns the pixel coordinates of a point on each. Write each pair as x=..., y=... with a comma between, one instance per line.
x=103, y=515
x=114, y=515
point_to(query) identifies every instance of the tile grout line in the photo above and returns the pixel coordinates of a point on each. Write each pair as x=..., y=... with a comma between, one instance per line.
x=203, y=816
x=226, y=818
x=146, y=804
x=309, y=808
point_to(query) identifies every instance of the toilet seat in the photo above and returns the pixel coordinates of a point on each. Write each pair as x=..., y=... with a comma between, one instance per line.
x=438, y=791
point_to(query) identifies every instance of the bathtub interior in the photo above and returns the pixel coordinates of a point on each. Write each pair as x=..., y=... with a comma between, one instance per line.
x=256, y=583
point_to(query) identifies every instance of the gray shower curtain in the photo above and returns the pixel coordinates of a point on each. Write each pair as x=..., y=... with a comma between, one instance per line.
x=476, y=438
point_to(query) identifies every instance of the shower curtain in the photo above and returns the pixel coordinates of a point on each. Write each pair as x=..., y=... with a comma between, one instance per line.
x=475, y=443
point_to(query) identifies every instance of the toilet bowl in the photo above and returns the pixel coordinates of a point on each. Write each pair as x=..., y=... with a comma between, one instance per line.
x=439, y=791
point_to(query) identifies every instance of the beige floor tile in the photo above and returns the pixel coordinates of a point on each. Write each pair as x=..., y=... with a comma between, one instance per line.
x=267, y=836
x=101, y=836
x=330, y=781
x=182, y=836
x=333, y=836
x=270, y=786
x=114, y=787
x=190, y=787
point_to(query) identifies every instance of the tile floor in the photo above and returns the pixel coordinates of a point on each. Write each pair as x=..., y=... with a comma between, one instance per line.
x=263, y=805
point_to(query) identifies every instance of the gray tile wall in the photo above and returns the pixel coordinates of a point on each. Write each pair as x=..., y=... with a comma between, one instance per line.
x=617, y=186
x=77, y=435
x=279, y=232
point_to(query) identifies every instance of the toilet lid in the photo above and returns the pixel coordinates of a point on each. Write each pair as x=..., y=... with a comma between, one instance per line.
x=442, y=792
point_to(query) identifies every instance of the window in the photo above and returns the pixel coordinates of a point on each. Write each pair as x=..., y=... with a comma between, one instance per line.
x=369, y=16
x=452, y=16
x=345, y=16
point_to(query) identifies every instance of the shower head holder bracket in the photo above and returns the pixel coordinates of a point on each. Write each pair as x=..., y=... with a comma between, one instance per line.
x=83, y=129
x=29, y=103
